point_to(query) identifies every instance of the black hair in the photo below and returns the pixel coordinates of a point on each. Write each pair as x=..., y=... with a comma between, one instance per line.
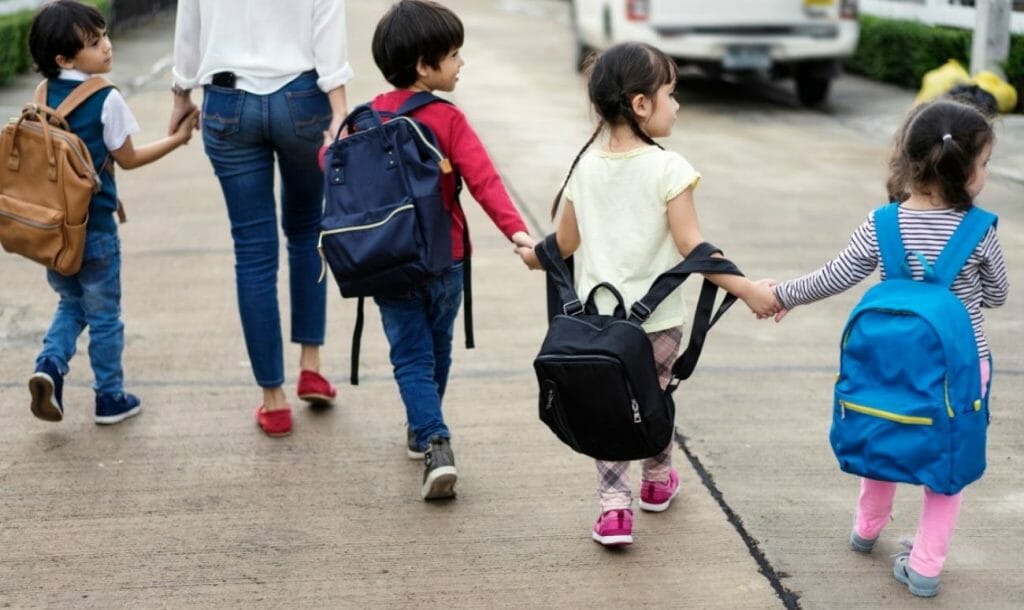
x=414, y=30
x=936, y=150
x=615, y=77
x=62, y=28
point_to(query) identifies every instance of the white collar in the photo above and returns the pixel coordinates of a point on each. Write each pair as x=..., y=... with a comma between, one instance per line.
x=73, y=75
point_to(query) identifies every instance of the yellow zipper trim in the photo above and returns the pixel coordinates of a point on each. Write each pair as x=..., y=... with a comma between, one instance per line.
x=903, y=419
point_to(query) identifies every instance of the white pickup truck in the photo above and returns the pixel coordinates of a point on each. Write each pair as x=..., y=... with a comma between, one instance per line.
x=802, y=39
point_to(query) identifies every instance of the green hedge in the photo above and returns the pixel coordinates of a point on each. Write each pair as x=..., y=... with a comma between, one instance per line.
x=14, y=56
x=900, y=52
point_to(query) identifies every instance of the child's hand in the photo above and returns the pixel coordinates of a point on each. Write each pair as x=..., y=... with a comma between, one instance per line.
x=183, y=132
x=760, y=298
x=528, y=256
x=523, y=239
x=781, y=314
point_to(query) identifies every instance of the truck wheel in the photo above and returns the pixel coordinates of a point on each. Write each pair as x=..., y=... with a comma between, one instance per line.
x=812, y=90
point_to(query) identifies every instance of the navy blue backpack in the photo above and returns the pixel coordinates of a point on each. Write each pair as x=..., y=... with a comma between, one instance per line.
x=908, y=403
x=385, y=228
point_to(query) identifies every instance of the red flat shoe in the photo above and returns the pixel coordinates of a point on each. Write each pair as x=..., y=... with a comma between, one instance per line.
x=314, y=389
x=274, y=423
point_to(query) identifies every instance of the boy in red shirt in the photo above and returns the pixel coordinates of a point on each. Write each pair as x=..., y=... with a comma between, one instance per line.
x=416, y=46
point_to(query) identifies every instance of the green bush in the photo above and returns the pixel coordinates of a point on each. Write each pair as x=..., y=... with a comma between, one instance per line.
x=900, y=52
x=14, y=55
x=14, y=46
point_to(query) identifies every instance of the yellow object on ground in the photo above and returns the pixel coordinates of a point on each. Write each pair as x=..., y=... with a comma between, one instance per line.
x=935, y=83
x=1005, y=94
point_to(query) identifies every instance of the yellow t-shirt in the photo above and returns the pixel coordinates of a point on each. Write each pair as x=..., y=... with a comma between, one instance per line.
x=621, y=208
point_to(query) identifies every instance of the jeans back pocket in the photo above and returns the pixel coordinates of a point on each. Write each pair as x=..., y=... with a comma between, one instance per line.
x=222, y=111
x=310, y=112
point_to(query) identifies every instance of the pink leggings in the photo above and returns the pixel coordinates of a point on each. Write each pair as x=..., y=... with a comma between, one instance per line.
x=938, y=515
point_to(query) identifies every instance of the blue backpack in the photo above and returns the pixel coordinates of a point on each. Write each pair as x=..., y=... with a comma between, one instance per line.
x=385, y=229
x=908, y=399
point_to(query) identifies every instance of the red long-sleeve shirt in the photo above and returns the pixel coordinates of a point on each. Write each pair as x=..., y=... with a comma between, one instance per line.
x=461, y=145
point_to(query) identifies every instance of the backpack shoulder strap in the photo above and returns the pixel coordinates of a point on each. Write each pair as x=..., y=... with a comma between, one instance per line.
x=81, y=93
x=891, y=252
x=417, y=101
x=961, y=244
x=700, y=260
x=559, y=276
x=39, y=97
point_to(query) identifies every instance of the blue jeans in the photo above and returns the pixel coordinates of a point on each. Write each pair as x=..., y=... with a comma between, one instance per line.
x=91, y=297
x=243, y=135
x=419, y=326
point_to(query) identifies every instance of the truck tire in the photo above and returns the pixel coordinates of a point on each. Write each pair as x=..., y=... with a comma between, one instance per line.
x=812, y=89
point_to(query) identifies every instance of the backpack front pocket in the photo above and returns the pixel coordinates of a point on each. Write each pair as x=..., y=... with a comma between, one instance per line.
x=30, y=230
x=591, y=395
x=358, y=245
x=896, y=442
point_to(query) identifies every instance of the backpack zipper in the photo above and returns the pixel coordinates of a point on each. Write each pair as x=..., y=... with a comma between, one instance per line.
x=896, y=417
x=31, y=223
x=446, y=167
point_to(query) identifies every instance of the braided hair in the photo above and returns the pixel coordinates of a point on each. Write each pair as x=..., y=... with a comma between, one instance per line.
x=615, y=77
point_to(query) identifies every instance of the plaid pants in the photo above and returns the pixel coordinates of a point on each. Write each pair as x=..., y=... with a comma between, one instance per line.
x=613, y=486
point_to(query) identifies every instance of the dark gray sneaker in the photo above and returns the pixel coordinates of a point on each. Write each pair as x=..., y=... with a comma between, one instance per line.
x=921, y=586
x=412, y=447
x=439, y=475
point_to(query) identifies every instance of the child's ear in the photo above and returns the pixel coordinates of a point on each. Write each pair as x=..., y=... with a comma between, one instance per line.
x=641, y=106
x=421, y=68
x=64, y=62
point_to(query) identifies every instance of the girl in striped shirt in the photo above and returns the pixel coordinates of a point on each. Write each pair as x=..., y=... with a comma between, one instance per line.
x=938, y=167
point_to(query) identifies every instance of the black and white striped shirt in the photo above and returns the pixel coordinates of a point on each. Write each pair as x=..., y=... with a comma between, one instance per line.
x=982, y=282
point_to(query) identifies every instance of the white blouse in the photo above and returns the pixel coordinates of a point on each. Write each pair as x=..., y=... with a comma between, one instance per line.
x=266, y=43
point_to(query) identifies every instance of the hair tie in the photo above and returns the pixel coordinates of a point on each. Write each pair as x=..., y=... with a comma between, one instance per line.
x=947, y=137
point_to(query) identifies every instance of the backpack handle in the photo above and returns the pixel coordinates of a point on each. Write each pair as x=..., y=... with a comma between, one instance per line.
x=591, y=305
x=32, y=112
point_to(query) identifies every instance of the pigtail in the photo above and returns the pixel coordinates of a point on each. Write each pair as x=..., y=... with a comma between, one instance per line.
x=565, y=183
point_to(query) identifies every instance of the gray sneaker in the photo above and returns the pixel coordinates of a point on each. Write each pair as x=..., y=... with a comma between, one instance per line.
x=861, y=545
x=439, y=475
x=412, y=447
x=921, y=586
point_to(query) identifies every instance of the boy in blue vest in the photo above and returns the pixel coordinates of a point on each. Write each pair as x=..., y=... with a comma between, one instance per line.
x=69, y=43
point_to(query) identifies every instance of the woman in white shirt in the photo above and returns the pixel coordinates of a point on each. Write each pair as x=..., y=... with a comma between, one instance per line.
x=273, y=75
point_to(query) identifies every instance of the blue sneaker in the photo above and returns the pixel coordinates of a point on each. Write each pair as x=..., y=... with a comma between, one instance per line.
x=921, y=586
x=111, y=409
x=47, y=388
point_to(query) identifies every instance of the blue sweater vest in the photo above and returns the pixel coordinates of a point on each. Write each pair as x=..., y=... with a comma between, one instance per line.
x=86, y=123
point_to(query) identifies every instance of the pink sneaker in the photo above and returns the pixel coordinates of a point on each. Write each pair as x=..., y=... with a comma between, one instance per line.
x=614, y=527
x=656, y=497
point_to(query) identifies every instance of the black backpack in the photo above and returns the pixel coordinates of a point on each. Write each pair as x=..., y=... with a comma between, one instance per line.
x=599, y=389
x=385, y=229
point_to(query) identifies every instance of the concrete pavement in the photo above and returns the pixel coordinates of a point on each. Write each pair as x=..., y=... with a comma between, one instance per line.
x=189, y=505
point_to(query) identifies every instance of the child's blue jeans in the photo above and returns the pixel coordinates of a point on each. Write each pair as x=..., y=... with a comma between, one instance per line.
x=419, y=326
x=244, y=134
x=91, y=297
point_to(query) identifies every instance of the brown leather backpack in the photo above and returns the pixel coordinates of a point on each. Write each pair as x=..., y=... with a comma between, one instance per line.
x=47, y=180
